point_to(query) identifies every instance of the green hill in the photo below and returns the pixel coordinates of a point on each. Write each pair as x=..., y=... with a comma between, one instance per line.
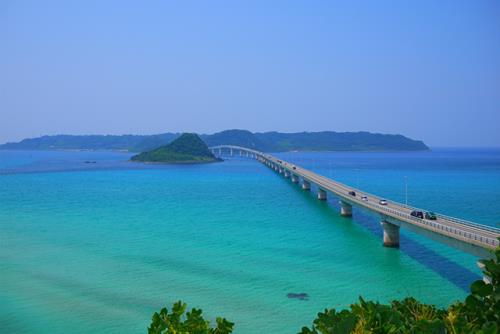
x=263, y=141
x=131, y=143
x=314, y=141
x=235, y=137
x=337, y=141
x=188, y=148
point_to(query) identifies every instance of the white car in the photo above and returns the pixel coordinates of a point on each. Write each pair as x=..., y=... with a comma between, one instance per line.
x=364, y=198
x=382, y=202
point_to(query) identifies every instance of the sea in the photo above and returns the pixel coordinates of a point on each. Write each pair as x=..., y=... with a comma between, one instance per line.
x=93, y=243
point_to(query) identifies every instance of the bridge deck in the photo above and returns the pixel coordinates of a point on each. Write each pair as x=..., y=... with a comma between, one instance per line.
x=475, y=234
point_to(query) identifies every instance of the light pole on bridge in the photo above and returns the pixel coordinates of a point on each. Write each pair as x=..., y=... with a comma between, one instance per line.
x=406, y=190
x=357, y=177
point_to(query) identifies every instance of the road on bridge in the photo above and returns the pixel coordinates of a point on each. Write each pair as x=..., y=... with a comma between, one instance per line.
x=484, y=237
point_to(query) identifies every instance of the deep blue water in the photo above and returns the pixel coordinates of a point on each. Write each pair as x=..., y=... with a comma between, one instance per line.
x=98, y=247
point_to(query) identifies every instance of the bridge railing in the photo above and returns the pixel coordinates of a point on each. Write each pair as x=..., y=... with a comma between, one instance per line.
x=461, y=233
x=439, y=215
x=444, y=228
x=417, y=221
x=442, y=216
x=457, y=220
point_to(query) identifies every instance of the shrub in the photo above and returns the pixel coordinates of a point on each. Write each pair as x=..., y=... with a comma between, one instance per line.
x=192, y=322
x=479, y=313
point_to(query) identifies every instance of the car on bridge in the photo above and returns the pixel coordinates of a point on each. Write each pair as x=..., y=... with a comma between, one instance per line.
x=382, y=202
x=430, y=215
x=417, y=214
x=352, y=193
x=364, y=198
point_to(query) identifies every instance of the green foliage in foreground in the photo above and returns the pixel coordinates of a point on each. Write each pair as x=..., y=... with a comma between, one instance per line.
x=479, y=314
x=192, y=322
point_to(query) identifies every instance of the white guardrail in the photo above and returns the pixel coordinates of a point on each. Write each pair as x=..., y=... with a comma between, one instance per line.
x=435, y=225
x=461, y=233
x=445, y=228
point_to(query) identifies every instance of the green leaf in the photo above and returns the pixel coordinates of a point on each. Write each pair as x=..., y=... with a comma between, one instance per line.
x=481, y=289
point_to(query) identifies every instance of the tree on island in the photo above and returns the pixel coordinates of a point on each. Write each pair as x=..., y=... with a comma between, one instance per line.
x=188, y=148
x=479, y=314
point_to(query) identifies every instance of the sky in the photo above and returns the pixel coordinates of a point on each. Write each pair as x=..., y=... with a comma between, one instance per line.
x=429, y=70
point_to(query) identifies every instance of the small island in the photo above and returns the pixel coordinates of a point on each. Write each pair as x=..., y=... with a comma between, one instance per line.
x=188, y=148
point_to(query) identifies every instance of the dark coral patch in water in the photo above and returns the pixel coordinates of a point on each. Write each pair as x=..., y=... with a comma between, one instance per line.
x=301, y=296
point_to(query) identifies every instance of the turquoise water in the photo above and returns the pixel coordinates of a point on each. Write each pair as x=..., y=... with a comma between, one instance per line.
x=97, y=248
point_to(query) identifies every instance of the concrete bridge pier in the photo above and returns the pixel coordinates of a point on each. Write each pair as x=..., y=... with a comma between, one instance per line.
x=391, y=234
x=306, y=185
x=286, y=174
x=295, y=178
x=321, y=195
x=345, y=209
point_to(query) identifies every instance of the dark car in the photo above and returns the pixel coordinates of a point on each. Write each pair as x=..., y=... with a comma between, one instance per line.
x=418, y=214
x=430, y=216
x=294, y=167
x=352, y=193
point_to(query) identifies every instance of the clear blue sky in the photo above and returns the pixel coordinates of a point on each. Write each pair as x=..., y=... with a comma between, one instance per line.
x=426, y=69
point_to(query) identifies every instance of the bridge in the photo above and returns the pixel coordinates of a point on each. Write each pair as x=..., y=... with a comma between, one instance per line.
x=467, y=236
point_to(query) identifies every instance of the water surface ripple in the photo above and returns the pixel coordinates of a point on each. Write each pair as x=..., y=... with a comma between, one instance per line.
x=99, y=247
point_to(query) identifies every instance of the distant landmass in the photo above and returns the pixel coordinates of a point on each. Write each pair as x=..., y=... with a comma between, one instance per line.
x=188, y=148
x=262, y=141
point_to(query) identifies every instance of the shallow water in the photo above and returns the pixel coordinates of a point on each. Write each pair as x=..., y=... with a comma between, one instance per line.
x=100, y=247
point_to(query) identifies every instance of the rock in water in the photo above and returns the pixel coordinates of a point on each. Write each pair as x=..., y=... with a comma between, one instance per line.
x=301, y=296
